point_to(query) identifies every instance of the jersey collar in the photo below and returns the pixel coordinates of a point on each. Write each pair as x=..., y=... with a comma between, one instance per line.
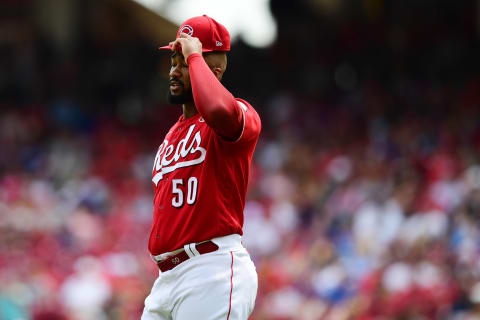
x=182, y=118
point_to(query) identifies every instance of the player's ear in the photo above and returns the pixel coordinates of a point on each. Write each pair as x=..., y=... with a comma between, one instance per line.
x=218, y=72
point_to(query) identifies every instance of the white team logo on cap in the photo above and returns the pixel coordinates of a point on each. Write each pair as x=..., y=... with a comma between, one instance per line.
x=187, y=29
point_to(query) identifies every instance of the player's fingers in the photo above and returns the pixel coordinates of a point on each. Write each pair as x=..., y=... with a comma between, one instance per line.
x=177, y=44
x=184, y=35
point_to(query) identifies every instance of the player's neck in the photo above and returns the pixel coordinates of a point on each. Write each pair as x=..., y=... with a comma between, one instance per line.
x=189, y=110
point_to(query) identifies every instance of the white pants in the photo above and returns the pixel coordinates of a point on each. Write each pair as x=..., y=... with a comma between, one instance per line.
x=218, y=285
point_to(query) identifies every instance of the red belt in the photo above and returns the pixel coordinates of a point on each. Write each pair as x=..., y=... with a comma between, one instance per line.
x=173, y=261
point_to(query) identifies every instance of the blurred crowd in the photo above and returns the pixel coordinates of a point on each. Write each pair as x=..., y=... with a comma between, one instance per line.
x=364, y=193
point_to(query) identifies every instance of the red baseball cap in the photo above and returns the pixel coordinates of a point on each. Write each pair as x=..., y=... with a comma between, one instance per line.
x=213, y=35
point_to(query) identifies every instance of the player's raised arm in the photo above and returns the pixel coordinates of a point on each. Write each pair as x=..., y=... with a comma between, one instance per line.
x=212, y=100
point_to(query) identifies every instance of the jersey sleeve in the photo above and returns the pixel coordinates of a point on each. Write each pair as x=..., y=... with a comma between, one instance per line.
x=213, y=101
x=251, y=124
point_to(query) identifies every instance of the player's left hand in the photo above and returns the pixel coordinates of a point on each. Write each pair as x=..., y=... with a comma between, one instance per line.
x=187, y=45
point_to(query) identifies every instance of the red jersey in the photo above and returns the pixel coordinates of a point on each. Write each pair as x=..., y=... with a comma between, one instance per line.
x=200, y=182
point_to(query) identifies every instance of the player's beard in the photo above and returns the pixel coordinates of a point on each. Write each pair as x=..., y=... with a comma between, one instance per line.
x=185, y=97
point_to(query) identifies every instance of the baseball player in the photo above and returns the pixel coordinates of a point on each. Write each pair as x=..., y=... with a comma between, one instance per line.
x=200, y=177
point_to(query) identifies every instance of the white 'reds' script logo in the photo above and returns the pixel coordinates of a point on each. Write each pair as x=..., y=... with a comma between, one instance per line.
x=167, y=160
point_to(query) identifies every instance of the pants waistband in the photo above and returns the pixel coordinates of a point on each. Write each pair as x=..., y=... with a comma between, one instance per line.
x=189, y=252
x=231, y=241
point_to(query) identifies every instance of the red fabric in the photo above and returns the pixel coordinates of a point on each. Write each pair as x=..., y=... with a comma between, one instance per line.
x=194, y=163
x=215, y=103
x=213, y=35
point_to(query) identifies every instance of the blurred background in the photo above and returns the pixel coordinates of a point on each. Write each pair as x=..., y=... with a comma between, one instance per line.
x=364, y=192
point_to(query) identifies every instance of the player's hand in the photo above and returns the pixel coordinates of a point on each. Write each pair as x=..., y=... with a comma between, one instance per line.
x=187, y=45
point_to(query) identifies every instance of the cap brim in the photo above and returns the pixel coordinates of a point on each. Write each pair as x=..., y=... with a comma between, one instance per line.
x=170, y=48
x=165, y=48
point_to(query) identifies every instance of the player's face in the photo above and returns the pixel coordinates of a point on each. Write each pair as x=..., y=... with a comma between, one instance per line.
x=180, y=90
